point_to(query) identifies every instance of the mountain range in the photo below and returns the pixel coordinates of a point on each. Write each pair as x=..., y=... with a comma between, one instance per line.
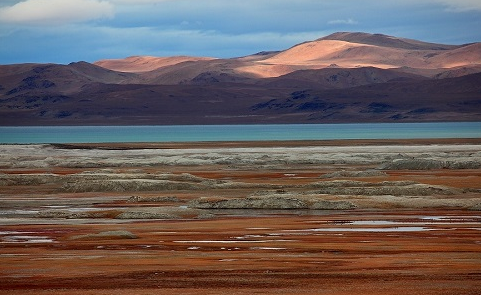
x=343, y=77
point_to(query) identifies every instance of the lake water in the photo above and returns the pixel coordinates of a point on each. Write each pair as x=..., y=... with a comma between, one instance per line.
x=190, y=133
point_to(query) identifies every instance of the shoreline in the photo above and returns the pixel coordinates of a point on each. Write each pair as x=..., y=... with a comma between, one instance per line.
x=263, y=143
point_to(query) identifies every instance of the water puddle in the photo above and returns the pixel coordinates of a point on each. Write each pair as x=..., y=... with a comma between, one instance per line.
x=70, y=257
x=417, y=223
x=15, y=232
x=366, y=229
x=230, y=241
x=27, y=239
x=230, y=249
x=250, y=237
x=267, y=248
x=452, y=219
x=374, y=222
x=23, y=237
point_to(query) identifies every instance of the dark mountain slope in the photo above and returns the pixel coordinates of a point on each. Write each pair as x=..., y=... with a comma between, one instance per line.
x=56, y=79
x=456, y=99
x=338, y=78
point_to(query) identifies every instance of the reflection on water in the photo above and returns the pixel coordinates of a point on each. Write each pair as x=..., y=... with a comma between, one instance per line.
x=273, y=239
x=26, y=239
x=364, y=229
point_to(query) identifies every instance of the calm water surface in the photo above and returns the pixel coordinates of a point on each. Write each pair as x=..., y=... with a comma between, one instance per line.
x=190, y=133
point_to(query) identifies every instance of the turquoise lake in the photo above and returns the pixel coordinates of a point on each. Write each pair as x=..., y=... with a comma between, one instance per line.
x=191, y=133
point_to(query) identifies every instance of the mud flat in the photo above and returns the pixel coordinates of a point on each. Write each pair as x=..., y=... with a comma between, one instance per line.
x=308, y=217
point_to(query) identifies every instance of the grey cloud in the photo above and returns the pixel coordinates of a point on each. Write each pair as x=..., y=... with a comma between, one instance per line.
x=461, y=5
x=55, y=12
x=221, y=28
x=348, y=21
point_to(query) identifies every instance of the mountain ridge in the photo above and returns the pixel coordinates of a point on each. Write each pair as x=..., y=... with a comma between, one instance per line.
x=342, y=77
x=387, y=41
x=343, y=49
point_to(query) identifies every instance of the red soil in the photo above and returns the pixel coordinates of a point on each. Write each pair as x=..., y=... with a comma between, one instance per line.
x=246, y=255
x=270, y=254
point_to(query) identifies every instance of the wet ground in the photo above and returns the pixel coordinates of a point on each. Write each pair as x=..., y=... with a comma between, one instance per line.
x=54, y=240
x=338, y=253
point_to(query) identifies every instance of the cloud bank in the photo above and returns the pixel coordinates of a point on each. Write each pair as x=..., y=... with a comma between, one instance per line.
x=56, y=12
x=138, y=1
x=461, y=5
x=63, y=31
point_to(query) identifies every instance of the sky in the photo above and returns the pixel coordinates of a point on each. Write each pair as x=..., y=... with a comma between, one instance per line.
x=64, y=31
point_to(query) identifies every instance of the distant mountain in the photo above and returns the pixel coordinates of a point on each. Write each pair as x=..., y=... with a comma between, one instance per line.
x=455, y=99
x=137, y=64
x=343, y=77
x=386, y=41
x=347, y=50
x=54, y=78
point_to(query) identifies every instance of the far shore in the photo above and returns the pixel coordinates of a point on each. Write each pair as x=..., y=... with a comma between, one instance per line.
x=266, y=143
